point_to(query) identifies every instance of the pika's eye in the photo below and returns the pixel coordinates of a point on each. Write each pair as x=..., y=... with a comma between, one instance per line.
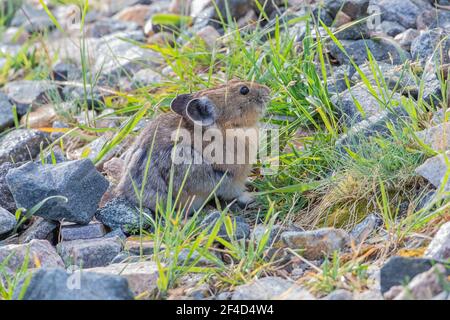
x=244, y=90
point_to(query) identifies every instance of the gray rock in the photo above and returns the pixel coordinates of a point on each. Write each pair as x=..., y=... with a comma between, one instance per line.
x=93, y=97
x=398, y=270
x=119, y=213
x=35, y=251
x=271, y=288
x=391, y=28
x=7, y=221
x=32, y=19
x=406, y=38
x=242, y=229
x=78, y=181
x=363, y=229
x=40, y=229
x=260, y=230
x=432, y=92
x=316, y=244
x=6, y=198
x=145, y=77
x=355, y=9
x=336, y=82
x=437, y=137
x=403, y=12
x=22, y=145
x=89, y=253
x=339, y=294
x=63, y=71
x=354, y=32
x=439, y=248
x=109, y=26
x=74, y=231
x=57, y=284
x=116, y=233
x=434, y=170
x=382, y=50
x=6, y=113
x=29, y=93
x=425, y=47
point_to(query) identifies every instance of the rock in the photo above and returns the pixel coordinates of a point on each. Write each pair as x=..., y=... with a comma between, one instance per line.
x=36, y=251
x=383, y=50
x=339, y=294
x=78, y=181
x=355, y=9
x=406, y=38
x=6, y=198
x=114, y=169
x=93, y=97
x=363, y=229
x=271, y=288
x=40, y=229
x=209, y=36
x=398, y=269
x=437, y=137
x=260, y=230
x=89, y=253
x=403, y=12
x=316, y=243
x=424, y=47
x=142, y=277
x=349, y=111
x=6, y=112
x=110, y=7
x=32, y=19
x=391, y=28
x=117, y=57
x=73, y=231
x=7, y=221
x=57, y=284
x=107, y=27
x=42, y=117
x=426, y=285
x=432, y=92
x=434, y=170
x=63, y=71
x=353, y=31
x=337, y=79
x=22, y=145
x=242, y=229
x=145, y=77
x=137, y=14
x=369, y=295
x=439, y=248
x=29, y=93
x=119, y=213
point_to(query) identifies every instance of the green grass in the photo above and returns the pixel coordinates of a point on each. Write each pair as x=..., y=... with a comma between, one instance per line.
x=316, y=185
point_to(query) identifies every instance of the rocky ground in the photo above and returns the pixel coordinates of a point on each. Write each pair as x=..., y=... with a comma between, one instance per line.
x=76, y=92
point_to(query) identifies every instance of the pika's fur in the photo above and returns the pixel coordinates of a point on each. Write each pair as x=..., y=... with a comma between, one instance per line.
x=234, y=105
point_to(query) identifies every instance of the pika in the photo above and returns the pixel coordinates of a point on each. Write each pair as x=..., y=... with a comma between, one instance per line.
x=179, y=164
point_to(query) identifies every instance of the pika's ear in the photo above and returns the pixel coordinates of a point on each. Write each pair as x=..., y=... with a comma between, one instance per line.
x=180, y=103
x=201, y=111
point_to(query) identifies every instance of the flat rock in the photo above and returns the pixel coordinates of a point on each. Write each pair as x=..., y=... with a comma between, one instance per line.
x=398, y=270
x=34, y=251
x=271, y=288
x=22, y=145
x=439, y=247
x=89, y=253
x=7, y=221
x=40, y=229
x=141, y=276
x=434, y=170
x=72, y=231
x=29, y=93
x=78, y=181
x=6, y=113
x=316, y=243
x=57, y=284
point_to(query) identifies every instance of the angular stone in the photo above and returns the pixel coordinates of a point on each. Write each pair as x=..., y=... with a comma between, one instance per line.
x=89, y=253
x=78, y=181
x=437, y=137
x=29, y=93
x=121, y=214
x=404, y=12
x=241, y=231
x=429, y=45
x=6, y=112
x=6, y=198
x=316, y=243
x=32, y=19
x=40, y=229
x=363, y=229
x=73, y=231
x=434, y=170
x=271, y=288
x=397, y=270
x=340, y=294
x=57, y=284
x=406, y=38
x=22, y=145
x=141, y=276
x=42, y=117
x=107, y=27
x=439, y=247
x=145, y=77
x=137, y=14
x=7, y=221
x=38, y=252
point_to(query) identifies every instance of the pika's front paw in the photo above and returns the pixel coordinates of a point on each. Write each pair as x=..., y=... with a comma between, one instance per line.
x=245, y=200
